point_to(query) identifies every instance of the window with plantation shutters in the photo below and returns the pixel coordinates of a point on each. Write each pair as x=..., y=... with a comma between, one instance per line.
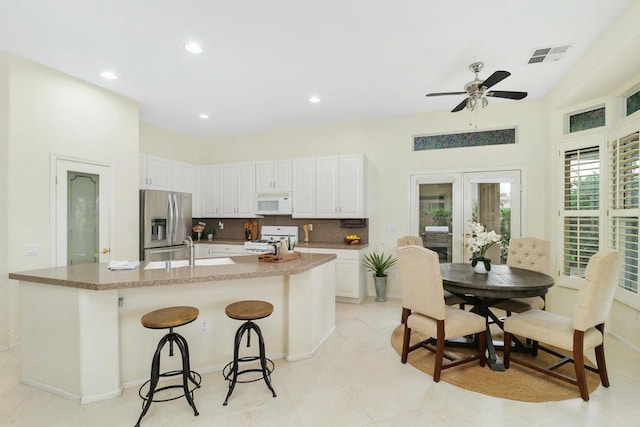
x=623, y=206
x=581, y=214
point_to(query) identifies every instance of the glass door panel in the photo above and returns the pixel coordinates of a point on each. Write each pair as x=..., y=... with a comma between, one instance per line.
x=435, y=204
x=82, y=218
x=493, y=200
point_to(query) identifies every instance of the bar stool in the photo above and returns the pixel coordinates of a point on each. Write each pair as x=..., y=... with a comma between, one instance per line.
x=170, y=318
x=248, y=311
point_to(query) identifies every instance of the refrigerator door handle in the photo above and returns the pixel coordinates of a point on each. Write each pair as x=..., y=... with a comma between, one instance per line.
x=175, y=218
x=170, y=219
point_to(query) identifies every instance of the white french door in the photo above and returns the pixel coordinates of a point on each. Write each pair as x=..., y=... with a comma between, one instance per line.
x=81, y=200
x=441, y=204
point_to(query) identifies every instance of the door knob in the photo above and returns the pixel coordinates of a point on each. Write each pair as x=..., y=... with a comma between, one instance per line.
x=105, y=250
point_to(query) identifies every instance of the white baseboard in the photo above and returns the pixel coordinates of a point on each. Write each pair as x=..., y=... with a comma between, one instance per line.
x=70, y=396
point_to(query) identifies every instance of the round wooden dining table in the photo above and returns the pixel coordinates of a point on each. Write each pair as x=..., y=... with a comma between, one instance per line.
x=482, y=291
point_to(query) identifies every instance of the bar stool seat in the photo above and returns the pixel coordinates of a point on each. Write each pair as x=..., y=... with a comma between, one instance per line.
x=169, y=318
x=248, y=311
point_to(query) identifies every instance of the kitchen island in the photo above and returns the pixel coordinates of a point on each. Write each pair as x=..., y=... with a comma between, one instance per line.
x=81, y=331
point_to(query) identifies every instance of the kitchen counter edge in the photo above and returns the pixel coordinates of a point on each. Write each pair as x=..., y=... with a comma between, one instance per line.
x=98, y=276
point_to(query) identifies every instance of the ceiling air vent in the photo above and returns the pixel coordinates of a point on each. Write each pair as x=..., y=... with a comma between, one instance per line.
x=548, y=54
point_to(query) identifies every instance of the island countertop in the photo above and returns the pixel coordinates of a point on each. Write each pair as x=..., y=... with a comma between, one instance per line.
x=99, y=277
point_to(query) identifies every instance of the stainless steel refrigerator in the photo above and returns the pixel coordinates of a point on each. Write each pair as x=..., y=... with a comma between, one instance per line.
x=165, y=221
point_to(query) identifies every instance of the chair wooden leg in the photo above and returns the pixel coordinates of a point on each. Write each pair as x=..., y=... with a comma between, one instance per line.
x=405, y=313
x=507, y=349
x=437, y=370
x=482, y=347
x=405, y=343
x=578, y=361
x=602, y=366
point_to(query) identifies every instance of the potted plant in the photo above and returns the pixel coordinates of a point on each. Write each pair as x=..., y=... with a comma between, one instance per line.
x=379, y=264
x=210, y=232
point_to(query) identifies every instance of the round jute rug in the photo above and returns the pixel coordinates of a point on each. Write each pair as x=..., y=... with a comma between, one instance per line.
x=516, y=383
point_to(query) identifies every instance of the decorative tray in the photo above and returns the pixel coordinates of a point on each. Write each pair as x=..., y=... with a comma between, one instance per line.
x=278, y=258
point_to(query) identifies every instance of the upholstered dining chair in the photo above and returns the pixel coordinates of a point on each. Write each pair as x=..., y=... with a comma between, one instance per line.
x=527, y=253
x=424, y=310
x=449, y=298
x=582, y=332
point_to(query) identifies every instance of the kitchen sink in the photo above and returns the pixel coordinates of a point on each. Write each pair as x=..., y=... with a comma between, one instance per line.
x=185, y=263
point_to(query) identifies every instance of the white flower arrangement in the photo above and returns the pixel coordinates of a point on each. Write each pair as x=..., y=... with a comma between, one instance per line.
x=478, y=241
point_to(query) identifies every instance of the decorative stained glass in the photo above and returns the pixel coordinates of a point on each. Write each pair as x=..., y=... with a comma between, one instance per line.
x=633, y=103
x=467, y=139
x=587, y=120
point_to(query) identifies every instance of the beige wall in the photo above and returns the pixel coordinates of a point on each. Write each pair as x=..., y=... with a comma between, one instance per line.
x=160, y=142
x=50, y=112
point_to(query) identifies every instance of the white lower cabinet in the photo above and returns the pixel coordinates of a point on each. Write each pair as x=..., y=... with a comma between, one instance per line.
x=212, y=250
x=350, y=274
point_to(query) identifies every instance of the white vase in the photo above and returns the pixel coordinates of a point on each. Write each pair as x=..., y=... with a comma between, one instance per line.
x=480, y=268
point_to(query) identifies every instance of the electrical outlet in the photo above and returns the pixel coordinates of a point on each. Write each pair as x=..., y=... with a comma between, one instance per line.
x=204, y=327
x=32, y=249
x=120, y=301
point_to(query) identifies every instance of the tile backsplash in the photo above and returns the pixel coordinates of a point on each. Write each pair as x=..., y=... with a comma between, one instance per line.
x=324, y=230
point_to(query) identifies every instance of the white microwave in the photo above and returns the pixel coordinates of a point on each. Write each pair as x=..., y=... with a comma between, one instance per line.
x=273, y=204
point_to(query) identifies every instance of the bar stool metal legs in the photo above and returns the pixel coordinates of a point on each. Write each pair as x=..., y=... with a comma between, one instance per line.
x=248, y=311
x=161, y=319
x=232, y=370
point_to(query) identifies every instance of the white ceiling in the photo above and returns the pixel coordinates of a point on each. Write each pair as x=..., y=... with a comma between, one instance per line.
x=264, y=58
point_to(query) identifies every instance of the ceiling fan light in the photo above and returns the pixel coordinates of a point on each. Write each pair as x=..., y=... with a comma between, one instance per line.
x=471, y=103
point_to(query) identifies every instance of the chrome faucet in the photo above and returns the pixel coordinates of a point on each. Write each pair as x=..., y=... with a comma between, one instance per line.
x=192, y=249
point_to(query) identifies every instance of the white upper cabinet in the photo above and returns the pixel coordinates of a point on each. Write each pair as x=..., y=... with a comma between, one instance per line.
x=351, y=187
x=327, y=187
x=303, y=194
x=182, y=177
x=211, y=188
x=154, y=173
x=273, y=176
x=238, y=190
x=196, y=197
x=340, y=187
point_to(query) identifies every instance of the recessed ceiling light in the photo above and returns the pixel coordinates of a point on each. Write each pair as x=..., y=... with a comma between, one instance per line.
x=203, y=116
x=314, y=100
x=110, y=75
x=193, y=48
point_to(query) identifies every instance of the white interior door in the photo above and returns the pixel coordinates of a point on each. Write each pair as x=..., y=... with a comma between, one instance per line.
x=81, y=220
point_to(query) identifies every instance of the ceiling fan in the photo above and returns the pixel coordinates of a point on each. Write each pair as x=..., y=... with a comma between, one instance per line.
x=477, y=90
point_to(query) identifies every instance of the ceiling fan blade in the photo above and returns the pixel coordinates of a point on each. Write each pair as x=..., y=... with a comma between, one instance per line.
x=507, y=94
x=446, y=93
x=460, y=106
x=495, y=78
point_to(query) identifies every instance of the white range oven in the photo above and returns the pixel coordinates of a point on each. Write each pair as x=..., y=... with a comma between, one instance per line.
x=269, y=235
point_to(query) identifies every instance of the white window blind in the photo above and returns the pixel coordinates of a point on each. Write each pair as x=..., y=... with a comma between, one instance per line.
x=581, y=222
x=624, y=212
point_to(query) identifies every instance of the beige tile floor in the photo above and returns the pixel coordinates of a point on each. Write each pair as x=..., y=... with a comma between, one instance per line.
x=355, y=379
